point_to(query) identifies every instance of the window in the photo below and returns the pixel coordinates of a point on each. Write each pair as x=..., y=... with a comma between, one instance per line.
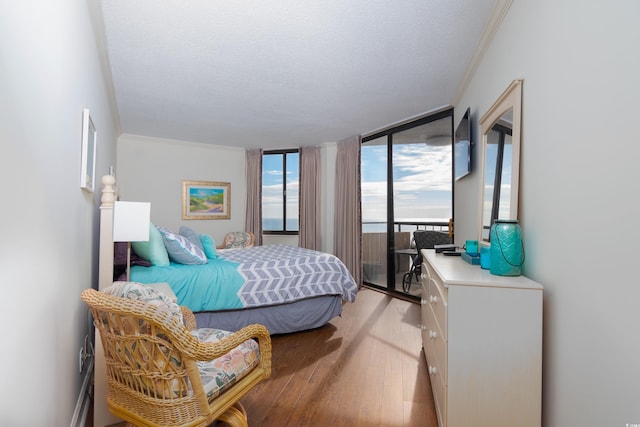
x=280, y=186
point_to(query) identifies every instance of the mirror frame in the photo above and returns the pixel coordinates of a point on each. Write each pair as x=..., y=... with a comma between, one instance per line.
x=511, y=98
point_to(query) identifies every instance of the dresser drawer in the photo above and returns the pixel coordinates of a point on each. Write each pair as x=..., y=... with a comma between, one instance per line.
x=425, y=309
x=436, y=345
x=429, y=276
x=436, y=298
x=435, y=352
x=436, y=359
x=439, y=396
x=426, y=271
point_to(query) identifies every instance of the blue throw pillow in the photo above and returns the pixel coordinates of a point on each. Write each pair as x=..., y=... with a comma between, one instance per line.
x=208, y=245
x=153, y=250
x=181, y=250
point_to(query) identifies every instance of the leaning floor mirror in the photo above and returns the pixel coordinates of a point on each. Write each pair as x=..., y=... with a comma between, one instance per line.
x=500, y=129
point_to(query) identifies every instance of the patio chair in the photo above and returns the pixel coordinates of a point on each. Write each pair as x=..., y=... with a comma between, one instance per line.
x=424, y=239
x=161, y=374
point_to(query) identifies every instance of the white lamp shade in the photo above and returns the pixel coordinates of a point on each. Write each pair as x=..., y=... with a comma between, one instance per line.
x=131, y=221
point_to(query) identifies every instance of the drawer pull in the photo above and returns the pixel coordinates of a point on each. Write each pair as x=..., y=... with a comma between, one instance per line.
x=433, y=334
x=433, y=370
x=433, y=299
x=423, y=301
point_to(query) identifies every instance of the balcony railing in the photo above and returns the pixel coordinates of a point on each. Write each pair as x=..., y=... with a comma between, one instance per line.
x=374, y=249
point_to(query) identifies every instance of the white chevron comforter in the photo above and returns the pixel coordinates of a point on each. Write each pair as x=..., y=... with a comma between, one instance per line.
x=275, y=274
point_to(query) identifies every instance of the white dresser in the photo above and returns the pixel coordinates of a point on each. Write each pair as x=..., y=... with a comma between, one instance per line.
x=482, y=337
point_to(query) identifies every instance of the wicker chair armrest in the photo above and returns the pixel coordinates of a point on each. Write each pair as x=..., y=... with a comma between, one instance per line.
x=252, y=240
x=189, y=318
x=208, y=351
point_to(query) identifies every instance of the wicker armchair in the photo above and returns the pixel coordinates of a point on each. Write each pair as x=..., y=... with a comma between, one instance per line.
x=157, y=369
x=237, y=239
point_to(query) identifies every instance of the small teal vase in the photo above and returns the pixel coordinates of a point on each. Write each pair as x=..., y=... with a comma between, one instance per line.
x=485, y=257
x=507, y=253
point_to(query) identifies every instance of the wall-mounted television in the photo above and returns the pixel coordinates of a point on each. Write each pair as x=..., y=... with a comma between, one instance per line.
x=462, y=143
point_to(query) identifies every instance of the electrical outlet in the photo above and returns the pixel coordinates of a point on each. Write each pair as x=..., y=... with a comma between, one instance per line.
x=86, y=352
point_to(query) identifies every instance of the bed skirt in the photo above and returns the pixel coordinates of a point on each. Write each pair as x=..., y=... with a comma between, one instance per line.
x=279, y=319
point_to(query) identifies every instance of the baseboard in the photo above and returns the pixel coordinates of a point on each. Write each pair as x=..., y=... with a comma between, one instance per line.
x=83, y=403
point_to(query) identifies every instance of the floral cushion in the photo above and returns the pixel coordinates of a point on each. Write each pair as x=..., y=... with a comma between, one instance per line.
x=221, y=373
x=146, y=353
x=237, y=239
x=217, y=375
x=141, y=292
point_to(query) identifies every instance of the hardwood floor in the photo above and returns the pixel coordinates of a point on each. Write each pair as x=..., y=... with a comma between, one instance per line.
x=365, y=368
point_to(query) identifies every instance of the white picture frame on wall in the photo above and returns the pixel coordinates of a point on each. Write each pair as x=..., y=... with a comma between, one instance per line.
x=88, y=153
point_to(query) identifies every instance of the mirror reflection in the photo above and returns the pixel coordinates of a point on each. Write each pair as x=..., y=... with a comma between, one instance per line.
x=497, y=178
x=500, y=130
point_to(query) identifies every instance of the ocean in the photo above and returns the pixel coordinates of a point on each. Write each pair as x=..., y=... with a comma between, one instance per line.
x=275, y=224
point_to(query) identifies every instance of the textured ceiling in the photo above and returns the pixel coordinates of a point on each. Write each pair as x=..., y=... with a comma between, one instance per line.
x=281, y=74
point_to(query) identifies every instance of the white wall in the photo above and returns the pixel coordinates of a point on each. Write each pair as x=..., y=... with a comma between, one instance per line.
x=578, y=199
x=49, y=71
x=152, y=170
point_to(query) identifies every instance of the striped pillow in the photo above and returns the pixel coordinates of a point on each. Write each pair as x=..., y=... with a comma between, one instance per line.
x=181, y=250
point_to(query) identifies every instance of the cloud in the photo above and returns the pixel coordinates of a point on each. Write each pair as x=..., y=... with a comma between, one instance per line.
x=421, y=182
x=418, y=167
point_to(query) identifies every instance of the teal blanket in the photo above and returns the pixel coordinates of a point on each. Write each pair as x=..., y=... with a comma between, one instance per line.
x=253, y=277
x=208, y=287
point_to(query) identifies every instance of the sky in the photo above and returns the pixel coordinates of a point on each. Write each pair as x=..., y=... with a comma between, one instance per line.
x=422, y=183
x=272, y=185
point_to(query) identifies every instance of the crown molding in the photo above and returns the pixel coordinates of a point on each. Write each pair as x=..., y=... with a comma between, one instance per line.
x=500, y=10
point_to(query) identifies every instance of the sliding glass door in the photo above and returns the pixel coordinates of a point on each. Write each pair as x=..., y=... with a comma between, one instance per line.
x=374, y=187
x=406, y=186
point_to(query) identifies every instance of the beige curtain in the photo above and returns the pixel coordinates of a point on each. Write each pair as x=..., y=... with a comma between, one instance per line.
x=347, y=214
x=253, y=213
x=310, y=203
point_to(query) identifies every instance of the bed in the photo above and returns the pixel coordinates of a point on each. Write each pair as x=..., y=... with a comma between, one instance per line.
x=285, y=288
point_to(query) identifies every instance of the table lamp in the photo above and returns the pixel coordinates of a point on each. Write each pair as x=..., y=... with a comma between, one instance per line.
x=131, y=222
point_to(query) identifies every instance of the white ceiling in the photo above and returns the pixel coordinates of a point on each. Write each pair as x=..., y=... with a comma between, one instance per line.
x=281, y=74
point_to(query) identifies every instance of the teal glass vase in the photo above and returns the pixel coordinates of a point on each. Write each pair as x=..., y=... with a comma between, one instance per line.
x=507, y=251
x=485, y=257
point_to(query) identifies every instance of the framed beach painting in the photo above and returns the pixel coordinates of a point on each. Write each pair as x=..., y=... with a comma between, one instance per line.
x=88, y=153
x=206, y=200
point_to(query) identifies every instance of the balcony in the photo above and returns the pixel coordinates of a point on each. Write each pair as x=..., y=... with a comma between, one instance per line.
x=375, y=255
